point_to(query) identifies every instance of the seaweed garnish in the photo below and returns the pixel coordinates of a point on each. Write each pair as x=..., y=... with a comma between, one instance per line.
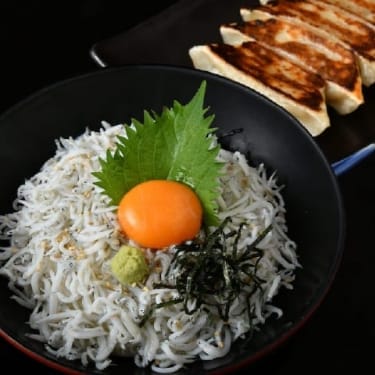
x=208, y=272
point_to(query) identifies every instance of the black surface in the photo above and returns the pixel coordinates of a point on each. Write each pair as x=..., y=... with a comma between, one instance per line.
x=167, y=38
x=43, y=42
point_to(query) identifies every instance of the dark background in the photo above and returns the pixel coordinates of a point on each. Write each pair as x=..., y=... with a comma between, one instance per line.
x=42, y=42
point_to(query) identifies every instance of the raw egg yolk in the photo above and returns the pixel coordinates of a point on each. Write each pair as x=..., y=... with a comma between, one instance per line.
x=160, y=213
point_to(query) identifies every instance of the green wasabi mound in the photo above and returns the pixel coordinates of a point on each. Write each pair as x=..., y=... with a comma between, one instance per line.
x=129, y=265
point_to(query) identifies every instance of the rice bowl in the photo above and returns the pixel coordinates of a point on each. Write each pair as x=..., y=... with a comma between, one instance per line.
x=63, y=233
x=79, y=102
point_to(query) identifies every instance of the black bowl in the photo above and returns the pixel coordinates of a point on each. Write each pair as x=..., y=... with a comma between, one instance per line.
x=269, y=134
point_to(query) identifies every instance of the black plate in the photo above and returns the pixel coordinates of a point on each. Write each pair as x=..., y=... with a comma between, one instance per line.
x=167, y=37
x=315, y=213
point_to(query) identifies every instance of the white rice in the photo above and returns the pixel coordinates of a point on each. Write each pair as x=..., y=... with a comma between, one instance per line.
x=62, y=235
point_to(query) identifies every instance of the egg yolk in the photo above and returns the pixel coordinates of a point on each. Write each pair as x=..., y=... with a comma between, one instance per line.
x=160, y=213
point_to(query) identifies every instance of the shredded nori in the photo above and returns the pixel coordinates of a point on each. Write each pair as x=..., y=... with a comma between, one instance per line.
x=207, y=272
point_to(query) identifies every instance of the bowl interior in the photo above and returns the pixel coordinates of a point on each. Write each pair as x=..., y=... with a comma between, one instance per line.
x=262, y=130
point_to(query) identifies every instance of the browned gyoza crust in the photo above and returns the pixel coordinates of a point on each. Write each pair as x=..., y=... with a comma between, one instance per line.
x=332, y=21
x=362, y=8
x=331, y=60
x=297, y=90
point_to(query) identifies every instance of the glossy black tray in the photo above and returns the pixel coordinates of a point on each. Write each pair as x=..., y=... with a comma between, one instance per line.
x=167, y=37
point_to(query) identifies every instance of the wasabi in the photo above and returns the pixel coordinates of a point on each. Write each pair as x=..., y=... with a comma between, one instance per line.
x=129, y=265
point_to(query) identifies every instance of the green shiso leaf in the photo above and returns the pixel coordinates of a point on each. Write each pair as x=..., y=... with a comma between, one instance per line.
x=176, y=145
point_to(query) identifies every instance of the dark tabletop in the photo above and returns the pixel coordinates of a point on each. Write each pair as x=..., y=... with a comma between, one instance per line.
x=43, y=42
